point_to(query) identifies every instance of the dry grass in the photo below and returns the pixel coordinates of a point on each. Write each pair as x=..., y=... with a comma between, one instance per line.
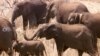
x=50, y=45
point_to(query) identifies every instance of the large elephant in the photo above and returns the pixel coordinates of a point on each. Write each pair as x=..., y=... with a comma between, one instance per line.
x=91, y=20
x=7, y=36
x=25, y=48
x=75, y=36
x=62, y=9
x=32, y=11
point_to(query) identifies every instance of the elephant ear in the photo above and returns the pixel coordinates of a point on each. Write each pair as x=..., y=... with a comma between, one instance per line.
x=53, y=30
x=74, y=18
x=50, y=11
x=20, y=43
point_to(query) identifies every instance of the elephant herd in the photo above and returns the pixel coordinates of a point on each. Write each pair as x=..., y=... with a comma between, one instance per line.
x=74, y=27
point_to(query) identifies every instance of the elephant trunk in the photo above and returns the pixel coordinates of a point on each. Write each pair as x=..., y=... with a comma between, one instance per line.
x=35, y=34
x=16, y=13
x=49, y=13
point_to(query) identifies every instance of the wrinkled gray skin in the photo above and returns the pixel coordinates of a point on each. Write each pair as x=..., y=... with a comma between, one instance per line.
x=62, y=9
x=7, y=36
x=29, y=47
x=92, y=21
x=76, y=36
x=31, y=10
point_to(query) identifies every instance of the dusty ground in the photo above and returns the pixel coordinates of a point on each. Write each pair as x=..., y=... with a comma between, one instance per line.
x=5, y=10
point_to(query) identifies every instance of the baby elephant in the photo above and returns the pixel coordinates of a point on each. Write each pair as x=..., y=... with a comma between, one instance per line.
x=7, y=36
x=75, y=36
x=30, y=47
x=91, y=20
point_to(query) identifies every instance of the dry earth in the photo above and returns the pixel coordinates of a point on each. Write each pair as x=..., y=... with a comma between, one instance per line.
x=6, y=10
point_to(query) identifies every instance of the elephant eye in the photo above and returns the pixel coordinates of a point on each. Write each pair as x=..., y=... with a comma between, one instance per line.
x=71, y=20
x=22, y=46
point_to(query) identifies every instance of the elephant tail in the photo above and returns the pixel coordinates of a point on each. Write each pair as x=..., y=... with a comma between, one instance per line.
x=43, y=48
x=45, y=52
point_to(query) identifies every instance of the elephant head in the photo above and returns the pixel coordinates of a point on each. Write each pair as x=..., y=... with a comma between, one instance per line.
x=74, y=18
x=46, y=30
x=17, y=46
x=36, y=10
x=64, y=9
x=16, y=13
x=50, y=12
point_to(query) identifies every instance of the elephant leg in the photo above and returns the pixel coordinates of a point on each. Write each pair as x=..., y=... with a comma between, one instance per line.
x=90, y=49
x=59, y=46
x=95, y=46
x=41, y=53
x=25, y=24
x=80, y=52
x=59, y=53
x=1, y=51
x=65, y=47
x=20, y=54
x=60, y=50
x=32, y=21
x=92, y=52
x=10, y=52
x=23, y=54
x=32, y=54
x=37, y=53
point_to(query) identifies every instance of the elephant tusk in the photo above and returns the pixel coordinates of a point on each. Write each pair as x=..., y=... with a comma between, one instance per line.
x=80, y=15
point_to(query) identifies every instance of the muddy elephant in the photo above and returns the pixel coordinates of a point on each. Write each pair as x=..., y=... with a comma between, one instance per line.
x=32, y=11
x=7, y=36
x=62, y=9
x=76, y=36
x=91, y=20
x=34, y=47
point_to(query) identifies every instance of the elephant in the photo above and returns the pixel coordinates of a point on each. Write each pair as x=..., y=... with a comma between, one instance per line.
x=32, y=11
x=75, y=36
x=34, y=47
x=62, y=9
x=91, y=20
x=7, y=36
